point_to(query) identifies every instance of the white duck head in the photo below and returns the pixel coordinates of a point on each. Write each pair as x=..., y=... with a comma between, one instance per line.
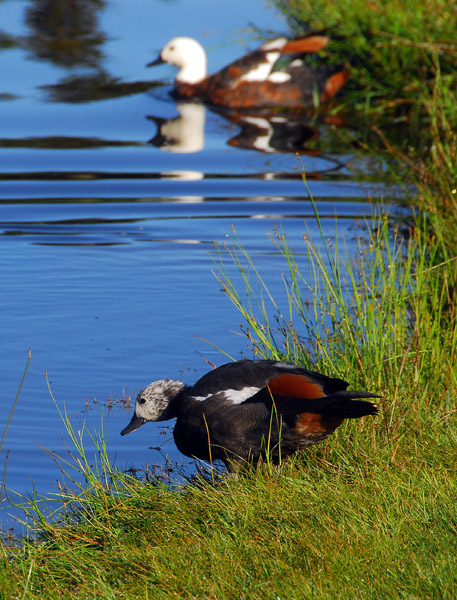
x=187, y=54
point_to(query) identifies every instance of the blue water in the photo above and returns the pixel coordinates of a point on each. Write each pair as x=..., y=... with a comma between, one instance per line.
x=106, y=239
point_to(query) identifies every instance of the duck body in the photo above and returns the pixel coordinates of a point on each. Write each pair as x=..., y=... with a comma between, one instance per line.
x=275, y=75
x=245, y=410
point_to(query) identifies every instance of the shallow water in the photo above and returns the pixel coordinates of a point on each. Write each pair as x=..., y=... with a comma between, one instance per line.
x=107, y=225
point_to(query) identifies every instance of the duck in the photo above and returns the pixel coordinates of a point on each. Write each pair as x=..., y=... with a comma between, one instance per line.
x=275, y=75
x=250, y=410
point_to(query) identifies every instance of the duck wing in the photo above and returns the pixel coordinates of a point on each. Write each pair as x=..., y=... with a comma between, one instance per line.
x=290, y=388
x=297, y=391
x=267, y=58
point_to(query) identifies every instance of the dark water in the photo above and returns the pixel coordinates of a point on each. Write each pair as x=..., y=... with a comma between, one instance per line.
x=107, y=225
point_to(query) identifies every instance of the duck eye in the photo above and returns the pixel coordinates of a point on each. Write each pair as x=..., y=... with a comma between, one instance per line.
x=141, y=401
x=171, y=48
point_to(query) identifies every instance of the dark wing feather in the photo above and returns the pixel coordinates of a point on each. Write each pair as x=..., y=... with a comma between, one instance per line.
x=292, y=48
x=233, y=72
x=291, y=388
x=233, y=405
x=281, y=377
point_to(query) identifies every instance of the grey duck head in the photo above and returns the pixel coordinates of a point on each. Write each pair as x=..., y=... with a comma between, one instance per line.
x=155, y=403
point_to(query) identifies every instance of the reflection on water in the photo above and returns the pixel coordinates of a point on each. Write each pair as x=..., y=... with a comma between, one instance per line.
x=272, y=133
x=182, y=134
x=95, y=87
x=66, y=32
x=263, y=132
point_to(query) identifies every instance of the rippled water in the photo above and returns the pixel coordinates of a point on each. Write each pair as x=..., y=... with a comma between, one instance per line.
x=110, y=199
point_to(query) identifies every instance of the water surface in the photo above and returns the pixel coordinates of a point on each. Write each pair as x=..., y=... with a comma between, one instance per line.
x=107, y=224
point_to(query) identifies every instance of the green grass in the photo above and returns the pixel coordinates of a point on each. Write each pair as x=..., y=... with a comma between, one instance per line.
x=401, y=99
x=8, y=423
x=377, y=319
x=344, y=521
x=391, y=46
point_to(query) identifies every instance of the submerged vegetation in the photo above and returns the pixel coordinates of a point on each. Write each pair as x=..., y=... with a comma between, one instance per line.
x=373, y=513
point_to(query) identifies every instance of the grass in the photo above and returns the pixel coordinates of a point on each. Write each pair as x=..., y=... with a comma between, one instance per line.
x=400, y=99
x=339, y=522
x=372, y=512
x=393, y=292
x=392, y=47
x=8, y=423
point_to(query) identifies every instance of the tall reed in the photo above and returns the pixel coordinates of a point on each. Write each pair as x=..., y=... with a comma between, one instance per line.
x=377, y=318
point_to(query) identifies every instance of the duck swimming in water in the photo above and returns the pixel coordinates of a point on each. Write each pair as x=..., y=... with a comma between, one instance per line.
x=275, y=75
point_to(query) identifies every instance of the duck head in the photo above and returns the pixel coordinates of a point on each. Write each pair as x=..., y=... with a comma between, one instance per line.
x=187, y=54
x=156, y=402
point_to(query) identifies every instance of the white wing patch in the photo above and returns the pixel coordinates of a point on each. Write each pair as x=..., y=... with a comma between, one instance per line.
x=276, y=44
x=260, y=73
x=202, y=398
x=239, y=396
x=234, y=396
x=279, y=77
x=263, y=70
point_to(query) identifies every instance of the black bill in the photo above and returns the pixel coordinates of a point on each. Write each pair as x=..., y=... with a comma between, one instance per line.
x=134, y=424
x=158, y=61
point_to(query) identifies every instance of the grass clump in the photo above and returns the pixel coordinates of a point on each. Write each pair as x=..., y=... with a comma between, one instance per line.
x=322, y=527
x=400, y=99
x=384, y=319
x=391, y=46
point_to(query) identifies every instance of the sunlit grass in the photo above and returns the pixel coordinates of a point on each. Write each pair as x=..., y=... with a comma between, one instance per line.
x=8, y=423
x=375, y=317
x=350, y=520
x=390, y=46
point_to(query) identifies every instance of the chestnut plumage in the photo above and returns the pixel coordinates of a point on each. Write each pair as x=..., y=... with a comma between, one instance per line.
x=275, y=75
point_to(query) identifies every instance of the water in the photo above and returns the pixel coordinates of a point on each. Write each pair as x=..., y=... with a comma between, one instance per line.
x=107, y=225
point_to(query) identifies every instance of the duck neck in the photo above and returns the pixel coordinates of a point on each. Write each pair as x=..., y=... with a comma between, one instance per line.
x=172, y=409
x=193, y=72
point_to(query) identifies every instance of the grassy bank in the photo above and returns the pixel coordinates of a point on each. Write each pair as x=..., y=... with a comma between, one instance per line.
x=401, y=97
x=354, y=520
x=372, y=512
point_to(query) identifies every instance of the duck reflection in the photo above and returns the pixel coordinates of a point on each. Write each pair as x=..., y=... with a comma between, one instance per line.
x=272, y=133
x=94, y=87
x=67, y=33
x=183, y=134
x=263, y=132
